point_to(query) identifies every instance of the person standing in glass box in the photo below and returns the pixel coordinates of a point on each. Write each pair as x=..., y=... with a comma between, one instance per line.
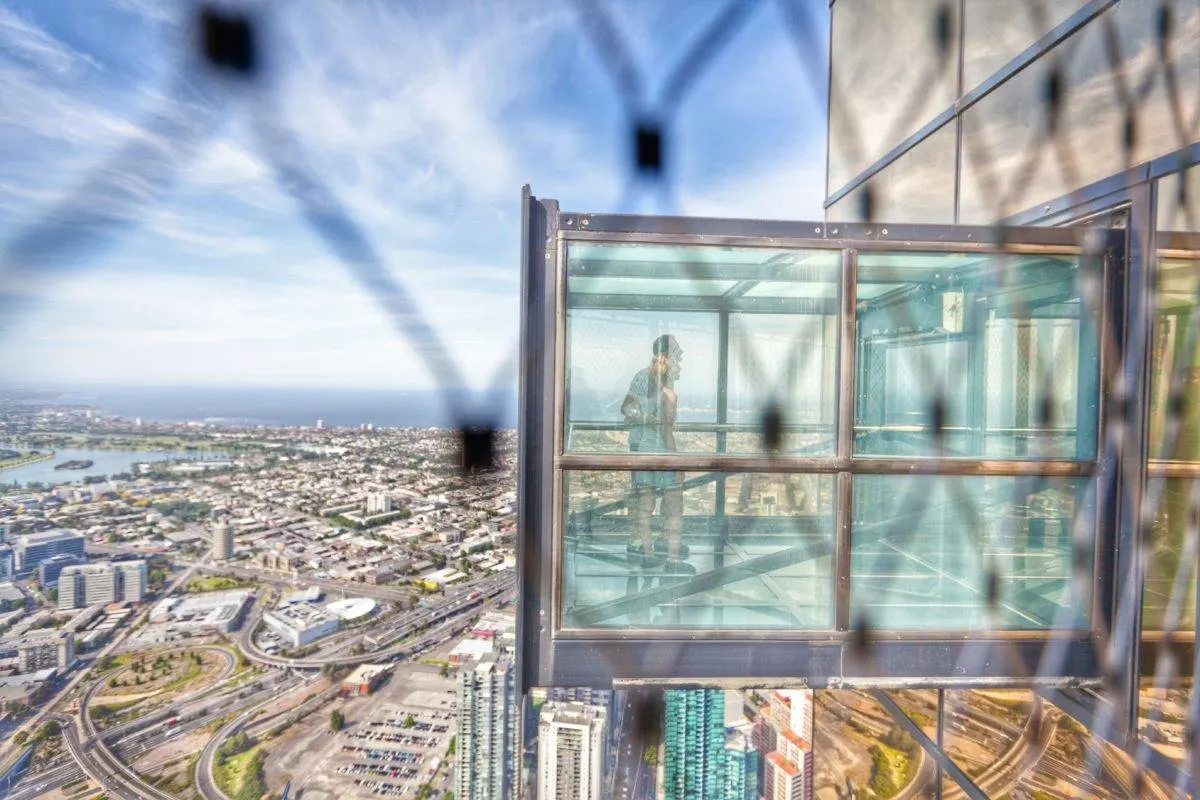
x=650, y=408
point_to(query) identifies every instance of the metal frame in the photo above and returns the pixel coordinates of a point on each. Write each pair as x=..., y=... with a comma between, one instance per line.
x=769, y=657
x=1134, y=192
x=1089, y=11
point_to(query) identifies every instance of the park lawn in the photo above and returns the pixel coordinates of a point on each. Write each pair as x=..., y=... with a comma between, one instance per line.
x=897, y=766
x=229, y=777
x=213, y=583
x=119, y=704
x=193, y=669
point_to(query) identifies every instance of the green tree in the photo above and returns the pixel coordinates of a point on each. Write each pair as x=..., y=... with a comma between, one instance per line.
x=651, y=755
x=48, y=731
x=409, y=721
x=254, y=779
x=450, y=751
x=20, y=738
x=444, y=671
x=337, y=720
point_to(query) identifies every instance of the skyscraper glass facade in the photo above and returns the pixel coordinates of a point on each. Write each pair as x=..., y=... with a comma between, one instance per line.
x=694, y=744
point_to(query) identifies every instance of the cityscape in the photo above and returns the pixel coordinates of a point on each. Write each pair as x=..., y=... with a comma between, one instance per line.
x=823, y=422
x=327, y=612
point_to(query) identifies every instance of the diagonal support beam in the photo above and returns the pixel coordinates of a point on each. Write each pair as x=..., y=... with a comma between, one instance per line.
x=931, y=747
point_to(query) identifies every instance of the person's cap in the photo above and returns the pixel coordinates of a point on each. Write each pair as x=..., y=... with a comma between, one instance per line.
x=667, y=344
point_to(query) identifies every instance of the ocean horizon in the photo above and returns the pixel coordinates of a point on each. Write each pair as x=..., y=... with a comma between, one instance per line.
x=282, y=406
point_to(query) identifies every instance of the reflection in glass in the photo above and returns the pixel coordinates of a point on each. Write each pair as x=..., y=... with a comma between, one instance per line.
x=918, y=187
x=1001, y=131
x=1162, y=716
x=996, y=33
x=881, y=104
x=791, y=360
x=993, y=336
x=666, y=549
x=1179, y=202
x=702, y=338
x=922, y=548
x=1171, y=519
x=1174, y=359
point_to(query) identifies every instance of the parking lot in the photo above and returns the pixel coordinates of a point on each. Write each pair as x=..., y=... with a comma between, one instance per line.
x=394, y=741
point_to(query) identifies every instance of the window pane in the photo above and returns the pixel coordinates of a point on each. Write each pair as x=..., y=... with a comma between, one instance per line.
x=1174, y=359
x=996, y=33
x=883, y=105
x=1000, y=338
x=1162, y=716
x=1171, y=518
x=922, y=547
x=796, y=354
x=657, y=549
x=1006, y=128
x=644, y=337
x=1179, y=202
x=918, y=187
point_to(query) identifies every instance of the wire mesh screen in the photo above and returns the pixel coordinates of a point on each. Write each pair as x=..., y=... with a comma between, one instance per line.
x=1069, y=104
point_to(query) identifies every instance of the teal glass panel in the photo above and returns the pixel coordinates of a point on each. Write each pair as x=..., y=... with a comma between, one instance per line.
x=1001, y=340
x=713, y=550
x=745, y=327
x=922, y=548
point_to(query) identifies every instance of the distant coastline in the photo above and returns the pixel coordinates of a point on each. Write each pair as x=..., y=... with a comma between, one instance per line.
x=288, y=407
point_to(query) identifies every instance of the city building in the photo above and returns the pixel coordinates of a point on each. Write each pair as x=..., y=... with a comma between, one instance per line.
x=7, y=563
x=379, y=503
x=580, y=694
x=788, y=769
x=302, y=623
x=694, y=744
x=364, y=680
x=276, y=561
x=49, y=570
x=102, y=583
x=487, y=729
x=571, y=751
x=52, y=650
x=320, y=424
x=222, y=541
x=212, y=611
x=20, y=692
x=11, y=596
x=741, y=767
x=34, y=548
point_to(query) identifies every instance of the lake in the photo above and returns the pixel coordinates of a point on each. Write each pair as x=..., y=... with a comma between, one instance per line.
x=106, y=462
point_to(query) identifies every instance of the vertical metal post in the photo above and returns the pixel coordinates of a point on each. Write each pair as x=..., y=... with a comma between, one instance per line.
x=941, y=737
x=958, y=133
x=847, y=397
x=722, y=532
x=1131, y=485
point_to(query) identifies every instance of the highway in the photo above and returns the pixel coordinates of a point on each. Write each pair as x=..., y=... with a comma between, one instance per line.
x=134, y=737
x=103, y=762
x=204, y=775
x=392, y=593
x=33, y=722
x=402, y=627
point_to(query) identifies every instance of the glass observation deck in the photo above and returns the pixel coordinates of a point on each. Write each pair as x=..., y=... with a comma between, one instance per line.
x=748, y=448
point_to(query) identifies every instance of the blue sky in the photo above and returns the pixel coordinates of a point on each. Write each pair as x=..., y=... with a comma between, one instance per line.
x=424, y=119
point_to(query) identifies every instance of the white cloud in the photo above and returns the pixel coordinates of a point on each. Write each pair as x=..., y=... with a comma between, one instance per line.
x=424, y=121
